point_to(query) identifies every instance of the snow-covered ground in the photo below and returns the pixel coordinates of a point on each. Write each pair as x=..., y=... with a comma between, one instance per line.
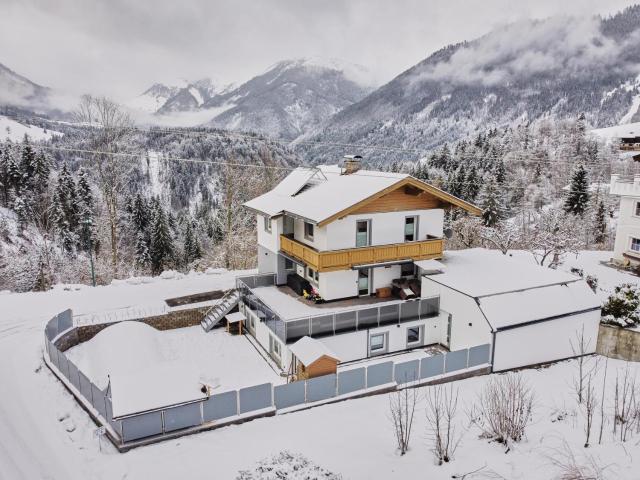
x=15, y=131
x=45, y=434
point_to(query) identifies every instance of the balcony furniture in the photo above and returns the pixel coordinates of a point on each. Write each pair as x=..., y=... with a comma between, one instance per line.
x=384, y=292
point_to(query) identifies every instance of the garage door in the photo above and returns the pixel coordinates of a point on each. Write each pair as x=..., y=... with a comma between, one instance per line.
x=546, y=341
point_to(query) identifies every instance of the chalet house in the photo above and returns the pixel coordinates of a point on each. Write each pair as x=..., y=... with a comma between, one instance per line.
x=351, y=265
x=626, y=250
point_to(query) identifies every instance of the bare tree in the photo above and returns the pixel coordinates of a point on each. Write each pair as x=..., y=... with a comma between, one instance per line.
x=504, y=408
x=553, y=236
x=108, y=126
x=604, y=389
x=571, y=468
x=402, y=407
x=442, y=405
x=626, y=408
x=590, y=402
x=504, y=237
x=580, y=346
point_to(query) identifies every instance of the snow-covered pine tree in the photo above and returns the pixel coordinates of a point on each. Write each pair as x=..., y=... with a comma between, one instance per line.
x=578, y=198
x=600, y=224
x=143, y=256
x=492, y=202
x=500, y=172
x=472, y=185
x=162, y=249
x=192, y=249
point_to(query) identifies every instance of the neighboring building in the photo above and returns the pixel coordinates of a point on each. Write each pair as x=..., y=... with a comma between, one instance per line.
x=626, y=250
x=626, y=137
x=371, y=245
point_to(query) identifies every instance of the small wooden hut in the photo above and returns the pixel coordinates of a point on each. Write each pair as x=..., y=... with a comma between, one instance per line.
x=311, y=358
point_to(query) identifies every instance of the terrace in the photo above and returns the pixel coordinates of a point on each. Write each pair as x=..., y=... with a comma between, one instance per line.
x=269, y=302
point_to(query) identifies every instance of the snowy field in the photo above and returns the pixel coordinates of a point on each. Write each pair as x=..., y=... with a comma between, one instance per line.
x=16, y=131
x=45, y=434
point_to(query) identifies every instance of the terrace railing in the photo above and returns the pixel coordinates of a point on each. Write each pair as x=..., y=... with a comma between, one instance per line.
x=327, y=324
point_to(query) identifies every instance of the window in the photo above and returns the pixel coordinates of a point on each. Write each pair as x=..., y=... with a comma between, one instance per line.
x=275, y=347
x=312, y=274
x=378, y=343
x=407, y=269
x=363, y=233
x=267, y=224
x=410, y=229
x=288, y=264
x=414, y=335
x=308, y=230
x=635, y=244
x=637, y=212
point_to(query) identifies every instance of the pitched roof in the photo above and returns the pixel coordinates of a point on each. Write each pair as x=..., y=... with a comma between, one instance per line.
x=327, y=195
x=307, y=350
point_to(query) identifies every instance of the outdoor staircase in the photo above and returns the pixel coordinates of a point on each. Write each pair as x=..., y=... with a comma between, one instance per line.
x=220, y=309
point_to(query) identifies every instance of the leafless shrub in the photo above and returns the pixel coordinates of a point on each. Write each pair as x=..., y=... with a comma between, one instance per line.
x=580, y=346
x=626, y=415
x=590, y=402
x=504, y=408
x=402, y=407
x=571, y=468
x=442, y=405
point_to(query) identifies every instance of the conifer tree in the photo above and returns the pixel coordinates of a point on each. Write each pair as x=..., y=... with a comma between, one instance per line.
x=578, y=197
x=500, y=172
x=492, y=202
x=600, y=224
x=143, y=257
x=162, y=249
x=472, y=185
x=192, y=249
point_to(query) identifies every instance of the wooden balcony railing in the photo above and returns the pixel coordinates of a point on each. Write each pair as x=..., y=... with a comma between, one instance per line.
x=345, y=259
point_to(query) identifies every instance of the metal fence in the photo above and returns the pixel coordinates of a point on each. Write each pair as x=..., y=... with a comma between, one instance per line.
x=327, y=324
x=226, y=407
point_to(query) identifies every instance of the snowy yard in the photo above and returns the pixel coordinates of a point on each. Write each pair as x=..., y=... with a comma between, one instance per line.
x=45, y=434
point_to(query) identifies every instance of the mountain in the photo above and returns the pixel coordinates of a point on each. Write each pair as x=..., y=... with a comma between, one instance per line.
x=289, y=99
x=560, y=66
x=20, y=91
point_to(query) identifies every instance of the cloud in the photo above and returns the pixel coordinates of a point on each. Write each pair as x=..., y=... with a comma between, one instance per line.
x=560, y=46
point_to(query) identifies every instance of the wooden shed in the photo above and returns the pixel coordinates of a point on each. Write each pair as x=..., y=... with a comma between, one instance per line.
x=311, y=358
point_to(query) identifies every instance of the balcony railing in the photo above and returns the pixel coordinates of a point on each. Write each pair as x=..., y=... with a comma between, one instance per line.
x=345, y=259
x=327, y=324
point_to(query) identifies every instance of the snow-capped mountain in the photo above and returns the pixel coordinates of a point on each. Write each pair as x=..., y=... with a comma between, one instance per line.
x=292, y=97
x=560, y=66
x=152, y=99
x=18, y=90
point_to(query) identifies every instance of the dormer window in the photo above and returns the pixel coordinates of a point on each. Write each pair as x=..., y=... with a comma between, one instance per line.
x=308, y=231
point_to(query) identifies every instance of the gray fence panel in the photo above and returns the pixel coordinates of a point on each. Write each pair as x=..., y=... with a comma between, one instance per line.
x=73, y=375
x=406, y=372
x=255, y=398
x=321, y=388
x=479, y=355
x=53, y=351
x=219, y=406
x=63, y=364
x=98, y=400
x=65, y=321
x=51, y=329
x=115, y=424
x=455, y=361
x=352, y=380
x=85, y=387
x=183, y=416
x=141, y=426
x=432, y=366
x=379, y=374
x=289, y=394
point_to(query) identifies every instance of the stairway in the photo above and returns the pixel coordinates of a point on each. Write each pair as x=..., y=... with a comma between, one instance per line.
x=219, y=310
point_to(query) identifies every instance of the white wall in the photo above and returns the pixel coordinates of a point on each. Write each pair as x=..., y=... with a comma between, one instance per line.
x=382, y=276
x=338, y=284
x=628, y=226
x=262, y=333
x=545, y=341
x=267, y=260
x=319, y=241
x=270, y=241
x=468, y=328
x=386, y=228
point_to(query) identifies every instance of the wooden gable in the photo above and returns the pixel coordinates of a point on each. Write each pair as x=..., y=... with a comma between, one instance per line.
x=407, y=194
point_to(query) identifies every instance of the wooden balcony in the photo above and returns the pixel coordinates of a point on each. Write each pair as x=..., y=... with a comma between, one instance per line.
x=332, y=260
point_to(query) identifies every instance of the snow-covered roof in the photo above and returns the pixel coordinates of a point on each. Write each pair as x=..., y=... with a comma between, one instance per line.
x=537, y=304
x=478, y=272
x=431, y=265
x=618, y=131
x=319, y=194
x=510, y=292
x=307, y=350
x=331, y=194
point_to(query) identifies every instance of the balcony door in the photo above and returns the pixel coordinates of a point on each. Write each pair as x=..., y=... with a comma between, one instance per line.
x=411, y=229
x=363, y=233
x=364, y=282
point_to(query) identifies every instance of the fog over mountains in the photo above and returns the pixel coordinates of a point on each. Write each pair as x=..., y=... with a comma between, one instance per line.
x=560, y=66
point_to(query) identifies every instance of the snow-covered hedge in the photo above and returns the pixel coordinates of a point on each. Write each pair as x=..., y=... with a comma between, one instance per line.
x=623, y=306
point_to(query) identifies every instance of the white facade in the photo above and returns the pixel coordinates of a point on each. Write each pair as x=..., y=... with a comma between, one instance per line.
x=627, y=244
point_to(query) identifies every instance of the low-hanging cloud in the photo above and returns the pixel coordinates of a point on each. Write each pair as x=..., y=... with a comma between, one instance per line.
x=559, y=45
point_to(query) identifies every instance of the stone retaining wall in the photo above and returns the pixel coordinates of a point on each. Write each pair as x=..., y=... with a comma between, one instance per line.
x=187, y=317
x=620, y=343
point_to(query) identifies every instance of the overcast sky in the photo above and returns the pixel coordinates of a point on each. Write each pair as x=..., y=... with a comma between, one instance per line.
x=120, y=47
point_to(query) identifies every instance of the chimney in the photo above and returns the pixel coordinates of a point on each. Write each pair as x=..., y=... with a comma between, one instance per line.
x=351, y=164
